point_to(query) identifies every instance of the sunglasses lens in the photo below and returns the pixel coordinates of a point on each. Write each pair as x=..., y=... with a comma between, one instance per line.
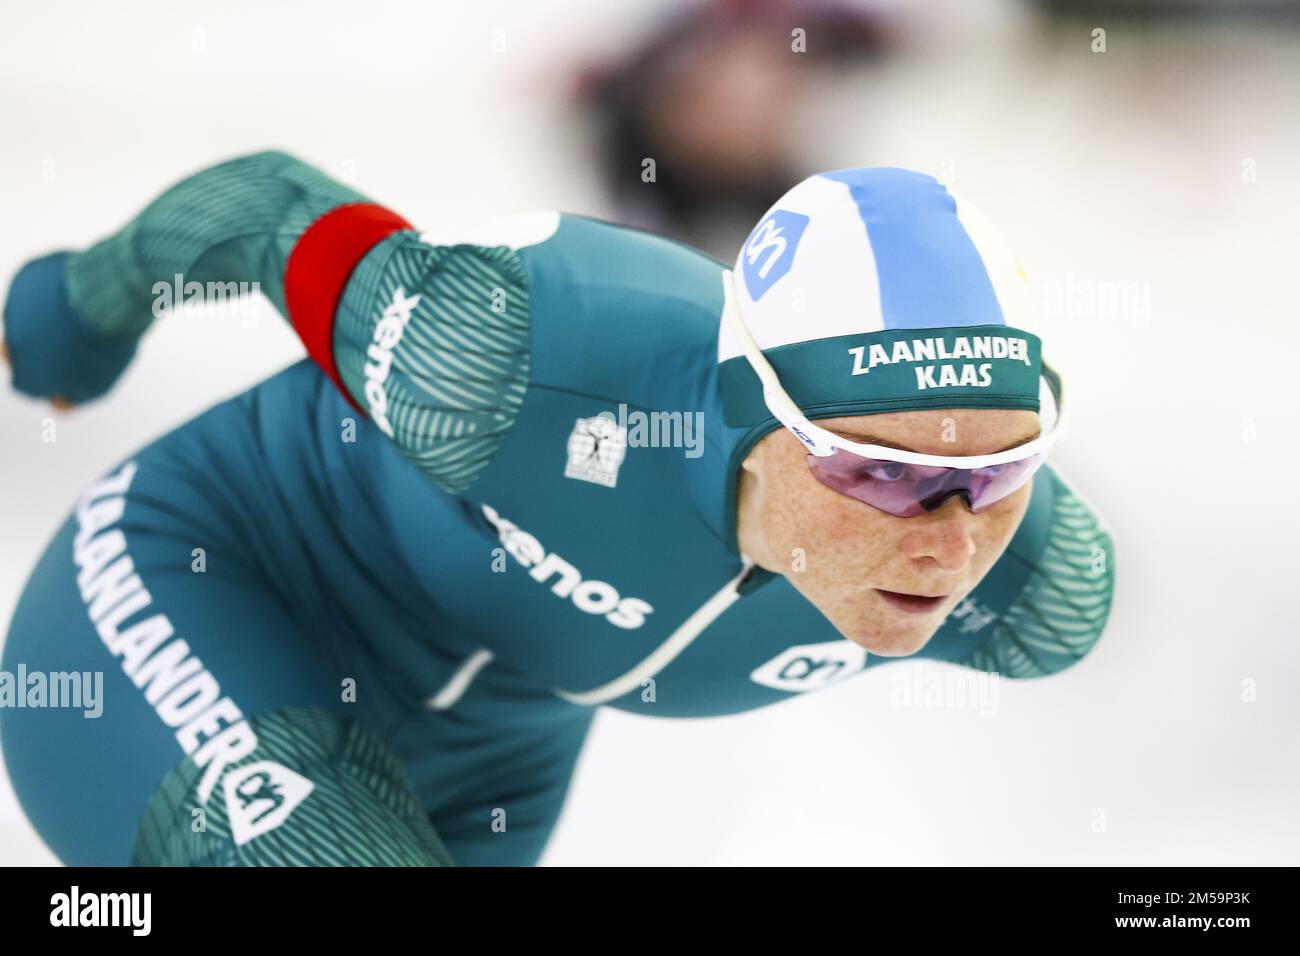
x=991, y=485
x=909, y=490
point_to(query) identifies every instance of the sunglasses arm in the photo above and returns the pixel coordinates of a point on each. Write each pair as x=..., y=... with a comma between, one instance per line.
x=778, y=402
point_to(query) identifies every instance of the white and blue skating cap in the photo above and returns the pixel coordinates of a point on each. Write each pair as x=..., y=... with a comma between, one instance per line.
x=877, y=289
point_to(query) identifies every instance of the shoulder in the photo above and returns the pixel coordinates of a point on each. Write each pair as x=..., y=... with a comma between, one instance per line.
x=575, y=257
x=606, y=302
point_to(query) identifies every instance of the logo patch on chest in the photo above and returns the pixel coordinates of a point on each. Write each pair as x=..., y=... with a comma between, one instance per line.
x=596, y=449
x=806, y=667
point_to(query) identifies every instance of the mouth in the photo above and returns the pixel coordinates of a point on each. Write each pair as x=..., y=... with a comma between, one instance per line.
x=912, y=603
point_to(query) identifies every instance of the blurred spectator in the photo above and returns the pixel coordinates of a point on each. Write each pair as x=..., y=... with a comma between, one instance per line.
x=709, y=96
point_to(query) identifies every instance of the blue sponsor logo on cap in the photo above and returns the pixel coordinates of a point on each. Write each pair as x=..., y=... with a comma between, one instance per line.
x=769, y=250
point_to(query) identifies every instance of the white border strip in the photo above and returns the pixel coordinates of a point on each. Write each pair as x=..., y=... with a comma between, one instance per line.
x=455, y=688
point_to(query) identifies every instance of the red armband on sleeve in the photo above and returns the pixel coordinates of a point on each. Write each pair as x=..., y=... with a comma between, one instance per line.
x=318, y=271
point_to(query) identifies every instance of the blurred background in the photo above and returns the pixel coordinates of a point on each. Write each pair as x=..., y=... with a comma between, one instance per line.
x=1144, y=158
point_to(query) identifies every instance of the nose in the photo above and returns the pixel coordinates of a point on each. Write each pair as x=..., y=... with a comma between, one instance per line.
x=934, y=491
x=943, y=535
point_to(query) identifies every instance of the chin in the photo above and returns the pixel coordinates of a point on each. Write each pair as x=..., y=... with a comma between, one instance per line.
x=893, y=643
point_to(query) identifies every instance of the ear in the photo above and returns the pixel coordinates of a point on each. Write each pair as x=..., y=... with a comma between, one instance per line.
x=753, y=462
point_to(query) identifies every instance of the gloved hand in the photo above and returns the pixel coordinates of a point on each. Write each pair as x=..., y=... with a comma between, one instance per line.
x=54, y=352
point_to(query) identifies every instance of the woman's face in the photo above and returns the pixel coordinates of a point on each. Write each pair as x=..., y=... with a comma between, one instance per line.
x=853, y=561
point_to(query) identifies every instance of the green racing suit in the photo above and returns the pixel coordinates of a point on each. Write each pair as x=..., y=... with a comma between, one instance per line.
x=363, y=613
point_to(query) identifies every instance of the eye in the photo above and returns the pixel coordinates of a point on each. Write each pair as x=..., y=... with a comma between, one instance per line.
x=885, y=471
x=990, y=471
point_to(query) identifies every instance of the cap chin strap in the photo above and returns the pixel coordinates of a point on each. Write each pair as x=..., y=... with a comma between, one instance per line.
x=823, y=443
x=774, y=397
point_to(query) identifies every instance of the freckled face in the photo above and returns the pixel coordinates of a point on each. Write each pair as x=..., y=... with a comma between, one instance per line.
x=851, y=552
